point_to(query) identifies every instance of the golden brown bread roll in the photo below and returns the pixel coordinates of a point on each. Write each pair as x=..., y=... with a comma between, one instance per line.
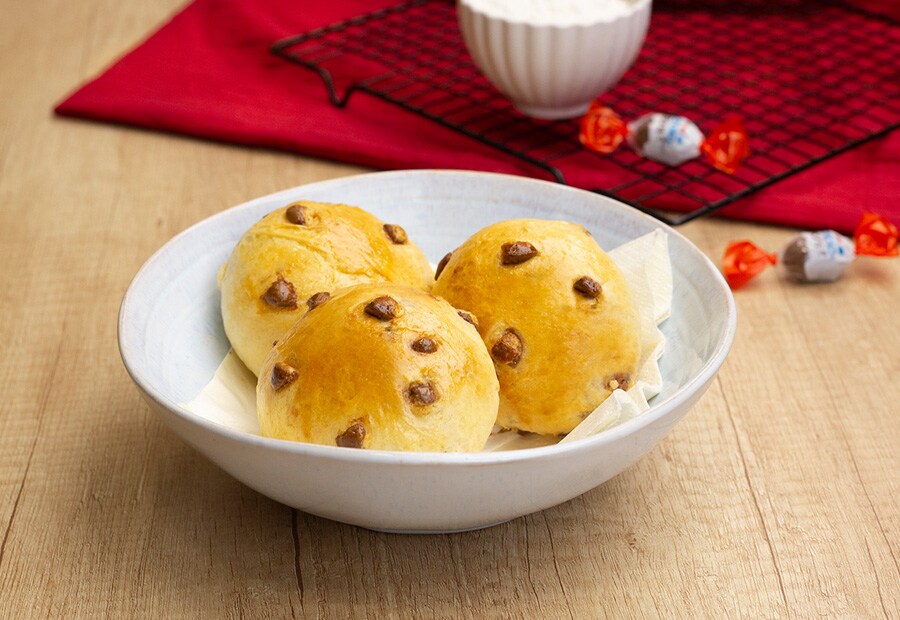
x=380, y=366
x=300, y=250
x=556, y=314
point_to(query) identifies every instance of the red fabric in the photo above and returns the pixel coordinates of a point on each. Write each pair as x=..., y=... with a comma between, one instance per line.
x=208, y=73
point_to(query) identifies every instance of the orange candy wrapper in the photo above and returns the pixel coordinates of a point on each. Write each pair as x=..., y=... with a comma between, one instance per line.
x=666, y=138
x=813, y=256
x=601, y=129
x=743, y=261
x=875, y=236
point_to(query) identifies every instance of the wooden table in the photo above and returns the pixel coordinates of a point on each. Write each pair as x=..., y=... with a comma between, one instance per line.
x=775, y=497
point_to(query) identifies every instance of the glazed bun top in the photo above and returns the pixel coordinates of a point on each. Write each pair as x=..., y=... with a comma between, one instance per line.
x=298, y=251
x=555, y=313
x=380, y=366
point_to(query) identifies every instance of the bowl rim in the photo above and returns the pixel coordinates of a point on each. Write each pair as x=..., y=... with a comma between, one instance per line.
x=637, y=6
x=657, y=410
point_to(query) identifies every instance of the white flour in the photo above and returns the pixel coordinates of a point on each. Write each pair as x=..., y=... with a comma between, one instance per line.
x=554, y=11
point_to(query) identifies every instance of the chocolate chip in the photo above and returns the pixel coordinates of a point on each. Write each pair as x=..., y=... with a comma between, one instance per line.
x=283, y=375
x=395, y=233
x=442, y=264
x=383, y=308
x=588, y=287
x=517, y=252
x=421, y=393
x=619, y=381
x=468, y=317
x=296, y=214
x=352, y=437
x=424, y=345
x=508, y=349
x=317, y=300
x=281, y=294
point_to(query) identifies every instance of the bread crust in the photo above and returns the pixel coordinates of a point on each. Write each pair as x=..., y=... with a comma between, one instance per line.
x=415, y=378
x=300, y=250
x=556, y=313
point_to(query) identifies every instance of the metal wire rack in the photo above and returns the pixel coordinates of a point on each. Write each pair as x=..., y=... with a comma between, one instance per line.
x=810, y=79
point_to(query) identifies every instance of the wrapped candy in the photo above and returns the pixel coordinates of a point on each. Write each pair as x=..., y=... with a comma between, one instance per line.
x=666, y=138
x=812, y=256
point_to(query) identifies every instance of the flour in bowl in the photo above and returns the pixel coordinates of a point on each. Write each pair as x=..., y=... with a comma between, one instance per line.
x=555, y=12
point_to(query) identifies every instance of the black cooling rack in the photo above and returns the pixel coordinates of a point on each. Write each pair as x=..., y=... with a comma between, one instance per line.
x=810, y=80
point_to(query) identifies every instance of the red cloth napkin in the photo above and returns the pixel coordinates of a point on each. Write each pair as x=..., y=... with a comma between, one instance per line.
x=208, y=73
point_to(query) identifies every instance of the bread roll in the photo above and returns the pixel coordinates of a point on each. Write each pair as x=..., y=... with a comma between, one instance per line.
x=380, y=366
x=300, y=250
x=556, y=314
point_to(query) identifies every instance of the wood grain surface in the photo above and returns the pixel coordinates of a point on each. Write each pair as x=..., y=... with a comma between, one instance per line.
x=776, y=497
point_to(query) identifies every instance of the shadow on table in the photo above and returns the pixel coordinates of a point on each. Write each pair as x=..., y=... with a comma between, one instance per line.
x=175, y=533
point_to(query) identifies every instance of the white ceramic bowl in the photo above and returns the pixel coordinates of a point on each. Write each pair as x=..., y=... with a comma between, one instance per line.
x=171, y=340
x=553, y=70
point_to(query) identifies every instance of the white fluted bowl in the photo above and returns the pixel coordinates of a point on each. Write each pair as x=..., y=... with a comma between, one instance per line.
x=553, y=70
